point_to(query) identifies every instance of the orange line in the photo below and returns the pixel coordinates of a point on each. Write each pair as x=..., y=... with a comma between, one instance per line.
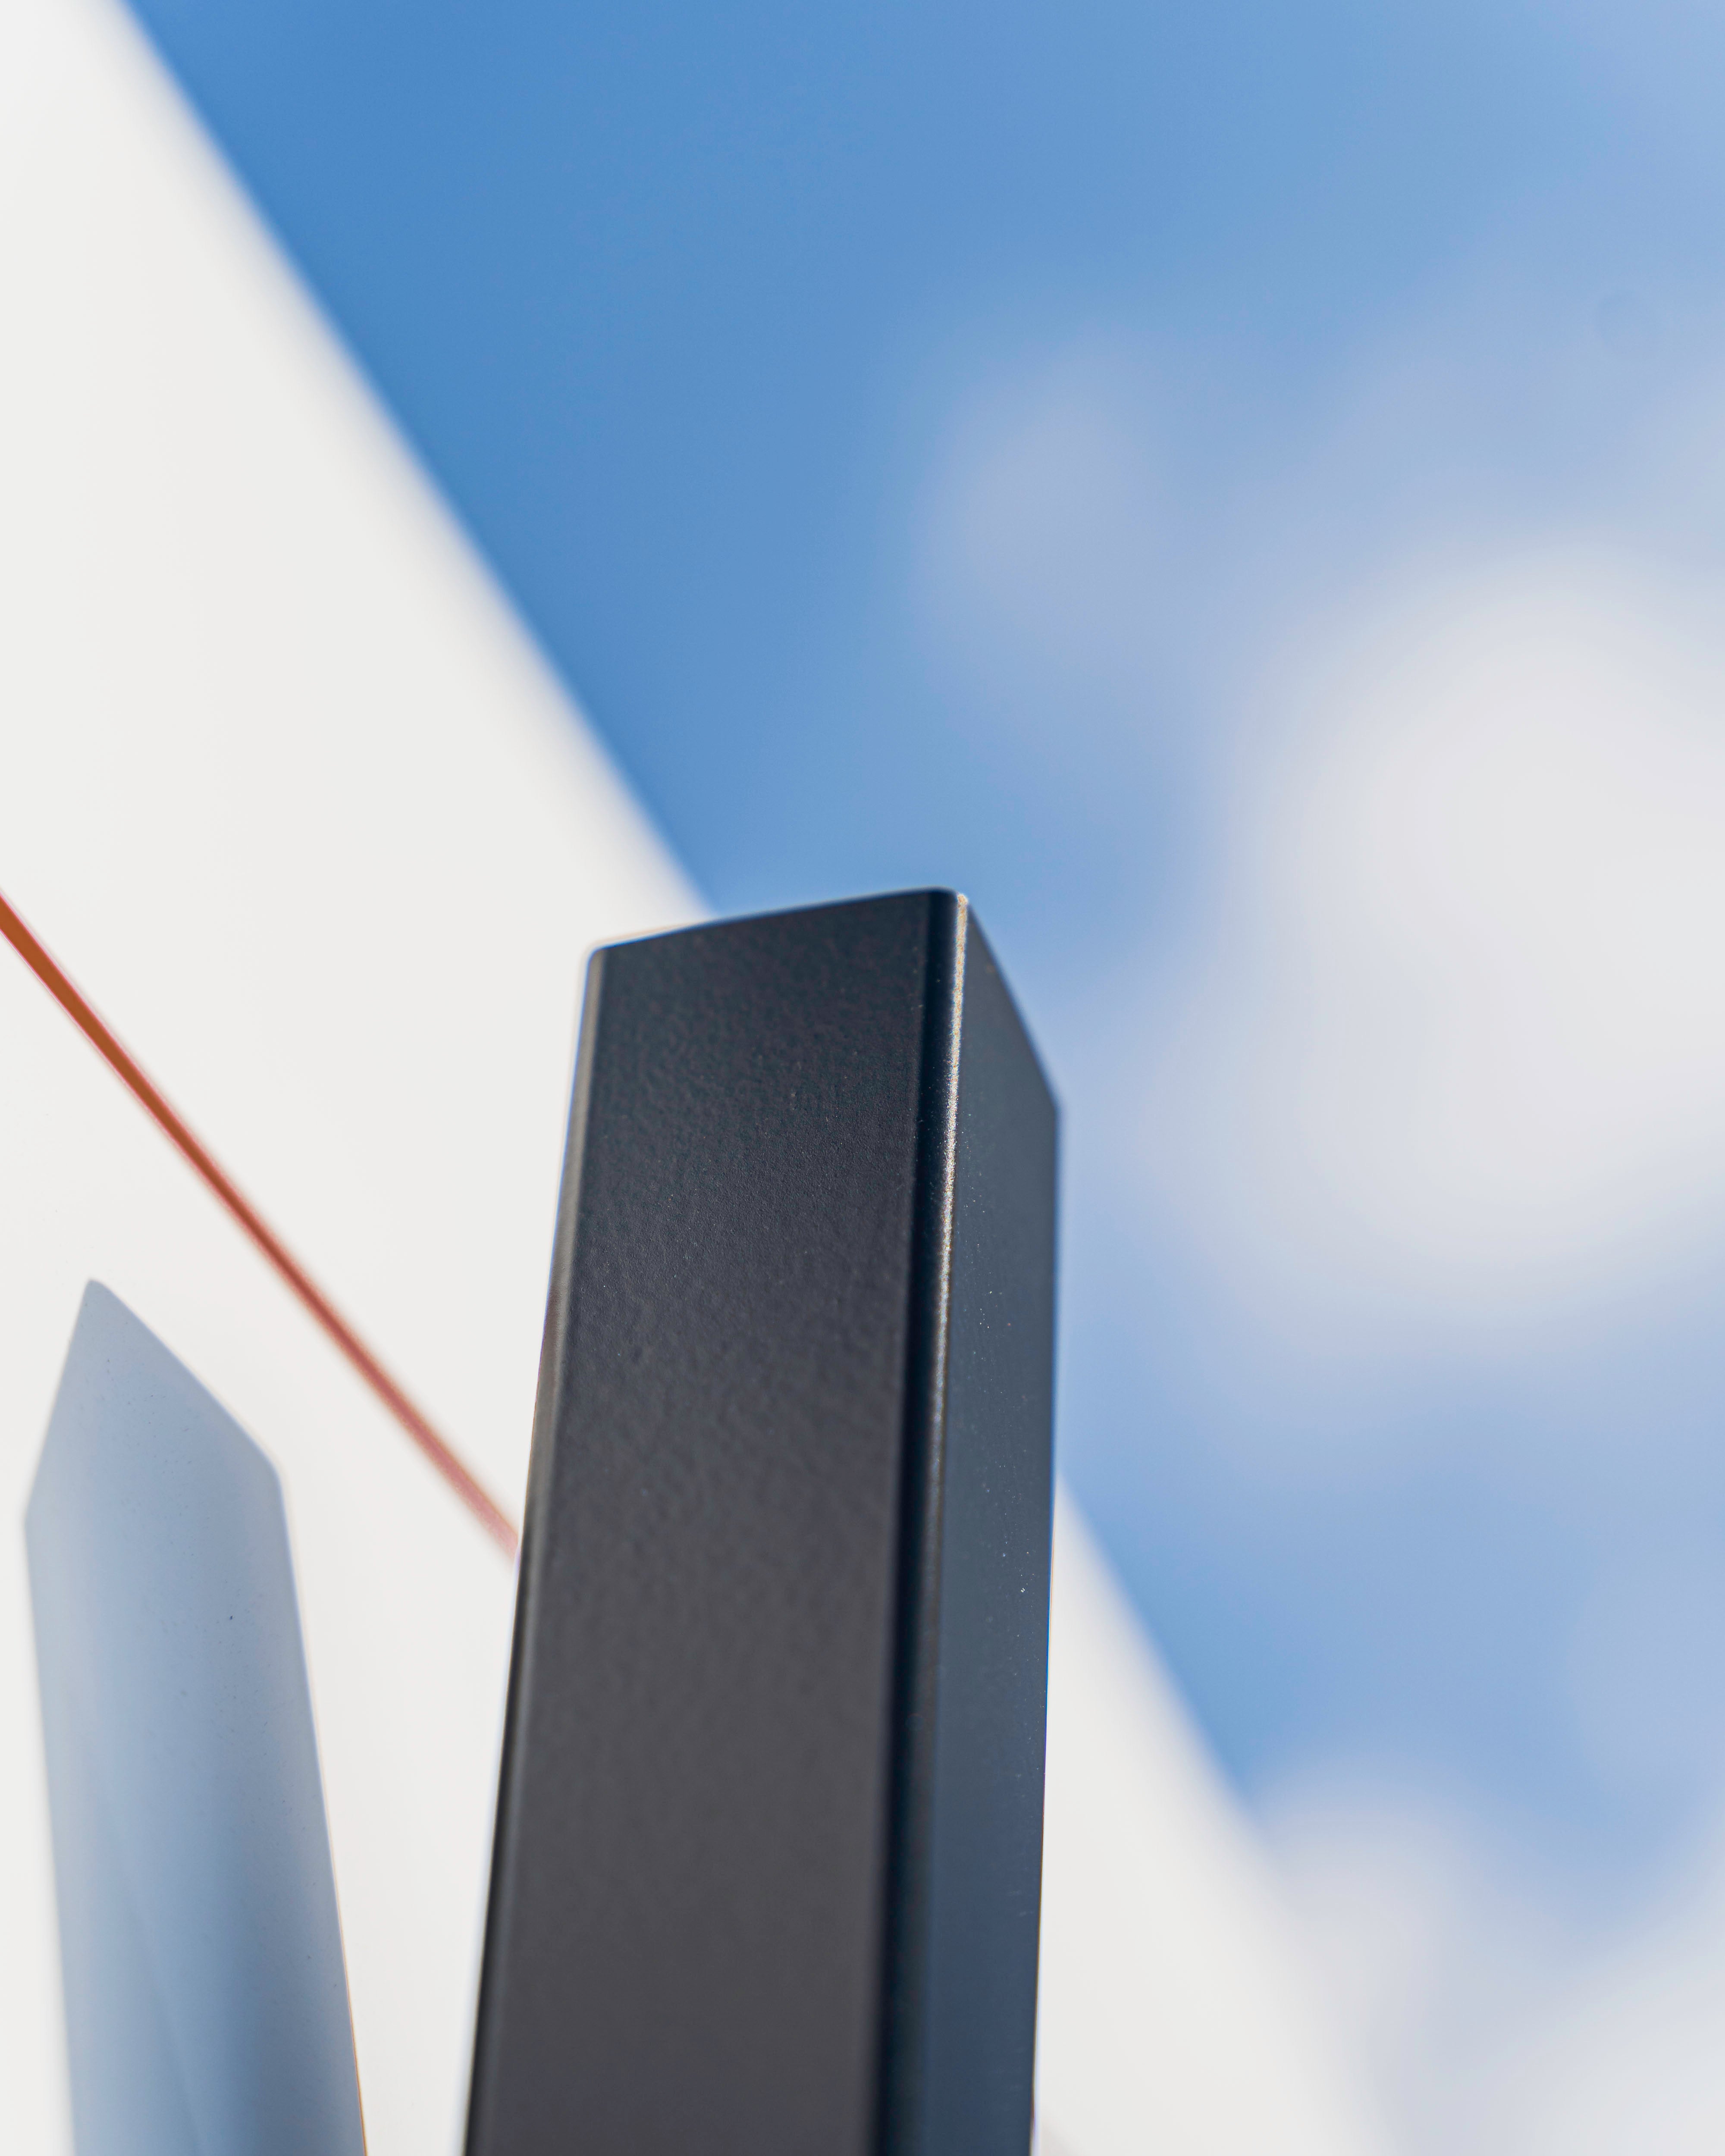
x=460, y=1478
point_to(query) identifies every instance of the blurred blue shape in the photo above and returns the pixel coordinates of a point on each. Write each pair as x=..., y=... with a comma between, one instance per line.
x=206, y=1996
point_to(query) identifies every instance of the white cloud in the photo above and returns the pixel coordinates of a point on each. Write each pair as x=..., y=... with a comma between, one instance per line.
x=1455, y=1039
x=1492, y=2023
x=1044, y=546
x=1627, y=2058
x=1427, y=1946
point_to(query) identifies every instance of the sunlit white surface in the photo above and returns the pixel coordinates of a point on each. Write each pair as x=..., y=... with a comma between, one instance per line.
x=291, y=793
x=1175, y=2014
x=287, y=789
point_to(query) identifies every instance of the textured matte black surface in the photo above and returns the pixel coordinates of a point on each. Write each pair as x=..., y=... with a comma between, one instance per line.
x=768, y=1842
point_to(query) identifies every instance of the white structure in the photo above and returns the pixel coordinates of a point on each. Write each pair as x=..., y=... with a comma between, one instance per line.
x=287, y=788
x=200, y=1942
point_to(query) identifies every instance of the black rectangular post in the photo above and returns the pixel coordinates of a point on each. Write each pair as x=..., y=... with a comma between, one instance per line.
x=768, y=1844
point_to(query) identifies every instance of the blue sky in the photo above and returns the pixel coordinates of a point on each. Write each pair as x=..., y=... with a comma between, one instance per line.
x=1081, y=456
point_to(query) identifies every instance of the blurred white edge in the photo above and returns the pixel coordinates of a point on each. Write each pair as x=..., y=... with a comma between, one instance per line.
x=208, y=2003
x=287, y=787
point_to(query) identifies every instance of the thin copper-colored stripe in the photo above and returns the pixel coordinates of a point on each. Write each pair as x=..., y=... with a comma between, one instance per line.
x=454, y=1470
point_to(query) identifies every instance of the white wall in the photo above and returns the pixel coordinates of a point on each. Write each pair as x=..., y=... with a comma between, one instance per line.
x=1176, y=2018
x=287, y=790
x=286, y=786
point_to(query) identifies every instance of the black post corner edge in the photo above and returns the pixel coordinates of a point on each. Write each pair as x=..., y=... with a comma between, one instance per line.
x=768, y=1861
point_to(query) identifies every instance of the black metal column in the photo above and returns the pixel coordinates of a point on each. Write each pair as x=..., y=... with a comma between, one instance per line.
x=769, y=1833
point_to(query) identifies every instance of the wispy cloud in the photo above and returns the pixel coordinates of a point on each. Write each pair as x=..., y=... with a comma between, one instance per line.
x=1412, y=1081
x=1455, y=1033
x=1496, y=2017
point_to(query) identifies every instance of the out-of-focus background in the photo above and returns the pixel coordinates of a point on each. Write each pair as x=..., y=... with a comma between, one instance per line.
x=1242, y=491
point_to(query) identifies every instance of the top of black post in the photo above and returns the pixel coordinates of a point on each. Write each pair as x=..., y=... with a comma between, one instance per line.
x=769, y=1832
